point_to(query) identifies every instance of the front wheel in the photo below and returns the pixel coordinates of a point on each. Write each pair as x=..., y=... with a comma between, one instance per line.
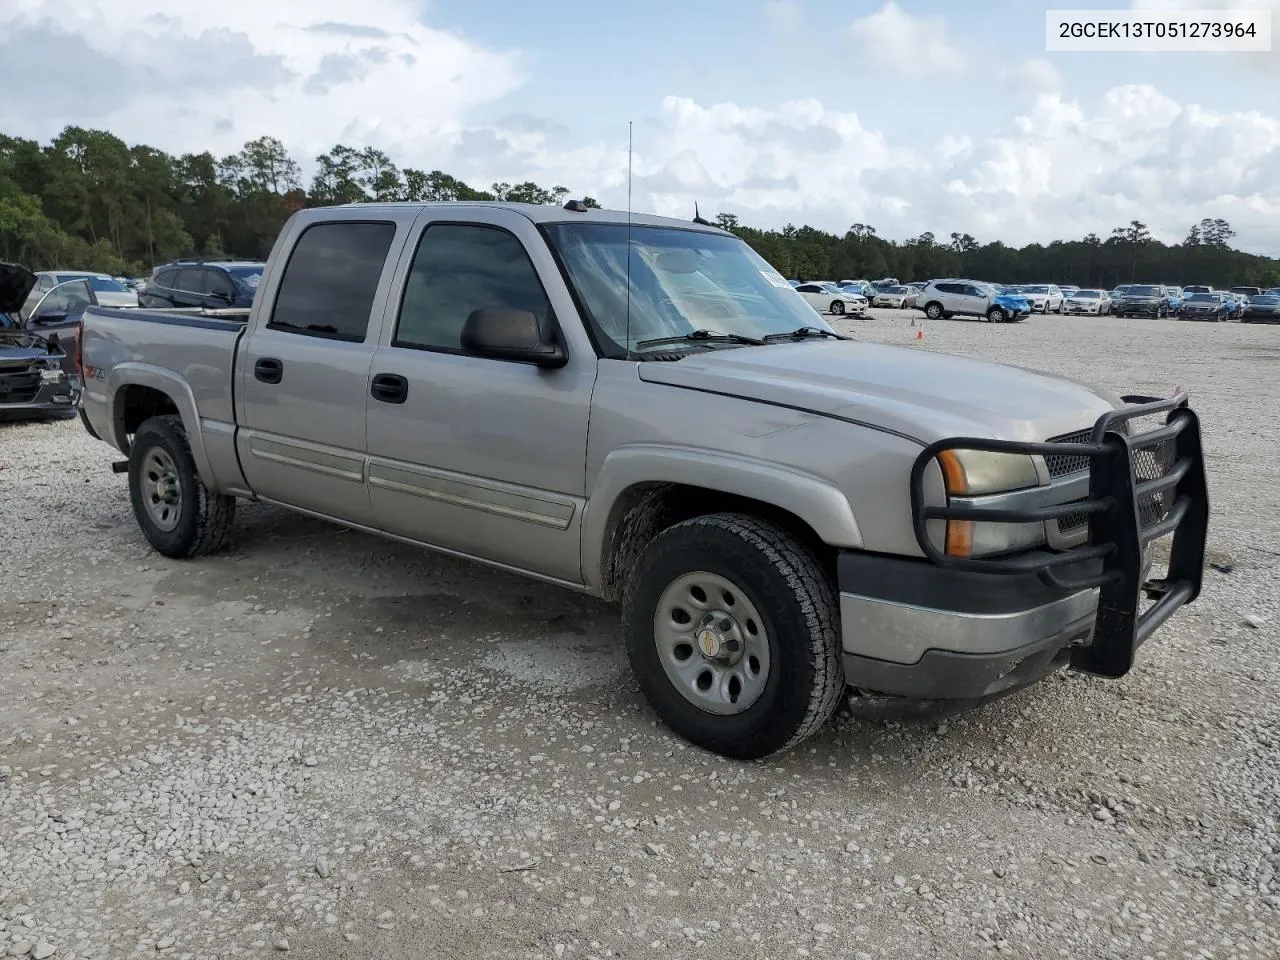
x=837, y=307
x=732, y=632
x=996, y=315
x=178, y=514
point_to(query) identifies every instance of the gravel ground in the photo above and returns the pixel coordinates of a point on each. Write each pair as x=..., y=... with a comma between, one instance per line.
x=335, y=746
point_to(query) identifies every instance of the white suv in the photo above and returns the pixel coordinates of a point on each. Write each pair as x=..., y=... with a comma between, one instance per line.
x=950, y=298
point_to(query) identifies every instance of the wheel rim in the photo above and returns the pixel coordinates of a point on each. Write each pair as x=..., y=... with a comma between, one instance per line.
x=933, y=312
x=712, y=643
x=161, y=490
x=837, y=307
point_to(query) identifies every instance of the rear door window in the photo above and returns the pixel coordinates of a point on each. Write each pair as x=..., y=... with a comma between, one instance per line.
x=188, y=280
x=328, y=286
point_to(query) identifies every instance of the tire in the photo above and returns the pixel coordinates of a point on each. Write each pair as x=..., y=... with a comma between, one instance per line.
x=160, y=464
x=997, y=315
x=933, y=310
x=837, y=307
x=775, y=582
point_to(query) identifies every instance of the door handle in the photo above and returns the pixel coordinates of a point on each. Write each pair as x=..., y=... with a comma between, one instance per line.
x=389, y=388
x=269, y=370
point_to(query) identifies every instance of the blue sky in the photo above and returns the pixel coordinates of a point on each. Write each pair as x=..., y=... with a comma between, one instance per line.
x=911, y=115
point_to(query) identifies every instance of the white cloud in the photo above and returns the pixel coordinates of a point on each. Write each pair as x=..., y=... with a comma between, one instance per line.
x=1060, y=170
x=217, y=74
x=1032, y=77
x=893, y=39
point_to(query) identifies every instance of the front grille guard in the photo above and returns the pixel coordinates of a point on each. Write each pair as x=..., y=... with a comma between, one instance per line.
x=1118, y=531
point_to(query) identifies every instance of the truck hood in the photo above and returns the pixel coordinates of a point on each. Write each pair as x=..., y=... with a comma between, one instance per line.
x=926, y=396
x=16, y=283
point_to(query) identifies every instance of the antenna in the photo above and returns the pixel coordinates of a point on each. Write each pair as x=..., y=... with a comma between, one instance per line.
x=628, y=334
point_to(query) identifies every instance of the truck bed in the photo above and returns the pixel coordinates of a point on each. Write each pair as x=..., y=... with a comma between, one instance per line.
x=197, y=346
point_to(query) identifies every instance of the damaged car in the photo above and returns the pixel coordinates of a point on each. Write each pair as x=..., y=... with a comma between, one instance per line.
x=38, y=377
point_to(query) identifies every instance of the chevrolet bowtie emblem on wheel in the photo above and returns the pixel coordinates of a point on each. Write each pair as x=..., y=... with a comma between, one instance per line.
x=709, y=643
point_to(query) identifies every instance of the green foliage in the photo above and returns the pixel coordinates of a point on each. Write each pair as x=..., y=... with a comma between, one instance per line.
x=88, y=200
x=1129, y=255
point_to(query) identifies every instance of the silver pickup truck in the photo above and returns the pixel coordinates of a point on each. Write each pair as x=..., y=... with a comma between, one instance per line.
x=644, y=410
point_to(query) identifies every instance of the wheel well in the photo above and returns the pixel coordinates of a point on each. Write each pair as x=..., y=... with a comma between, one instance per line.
x=136, y=404
x=646, y=509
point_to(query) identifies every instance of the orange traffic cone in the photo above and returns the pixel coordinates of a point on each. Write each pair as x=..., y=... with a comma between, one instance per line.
x=920, y=334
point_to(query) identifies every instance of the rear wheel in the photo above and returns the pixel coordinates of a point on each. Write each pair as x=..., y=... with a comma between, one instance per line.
x=933, y=310
x=178, y=514
x=732, y=631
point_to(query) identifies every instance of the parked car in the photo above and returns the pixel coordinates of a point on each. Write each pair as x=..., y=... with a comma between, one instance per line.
x=1068, y=289
x=1142, y=300
x=1174, y=298
x=1247, y=291
x=1197, y=288
x=860, y=287
x=782, y=511
x=34, y=354
x=1119, y=291
x=828, y=298
x=893, y=297
x=210, y=284
x=1044, y=297
x=1204, y=306
x=1263, y=308
x=1235, y=304
x=109, y=291
x=1097, y=302
x=969, y=298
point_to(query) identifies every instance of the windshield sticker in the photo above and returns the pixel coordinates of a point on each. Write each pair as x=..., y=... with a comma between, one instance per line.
x=774, y=279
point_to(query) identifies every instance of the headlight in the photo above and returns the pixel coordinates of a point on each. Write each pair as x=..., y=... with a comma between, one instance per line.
x=56, y=375
x=969, y=474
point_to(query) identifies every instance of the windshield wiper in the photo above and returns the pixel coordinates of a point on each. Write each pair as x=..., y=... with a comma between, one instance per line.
x=800, y=333
x=702, y=336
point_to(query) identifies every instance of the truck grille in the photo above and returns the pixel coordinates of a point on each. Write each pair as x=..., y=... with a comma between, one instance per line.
x=1061, y=466
x=19, y=387
x=1149, y=463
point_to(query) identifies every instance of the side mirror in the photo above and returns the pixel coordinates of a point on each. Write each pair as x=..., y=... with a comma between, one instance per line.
x=506, y=334
x=51, y=315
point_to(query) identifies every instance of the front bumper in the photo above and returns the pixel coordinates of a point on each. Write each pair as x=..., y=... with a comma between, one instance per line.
x=912, y=629
x=1260, y=317
x=1139, y=309
x=49, y=400
x=950, y=628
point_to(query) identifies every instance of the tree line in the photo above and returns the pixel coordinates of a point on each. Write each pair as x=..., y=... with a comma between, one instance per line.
x=88, y=200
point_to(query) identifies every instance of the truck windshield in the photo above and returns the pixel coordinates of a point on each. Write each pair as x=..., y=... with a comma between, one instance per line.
x=681, y=281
